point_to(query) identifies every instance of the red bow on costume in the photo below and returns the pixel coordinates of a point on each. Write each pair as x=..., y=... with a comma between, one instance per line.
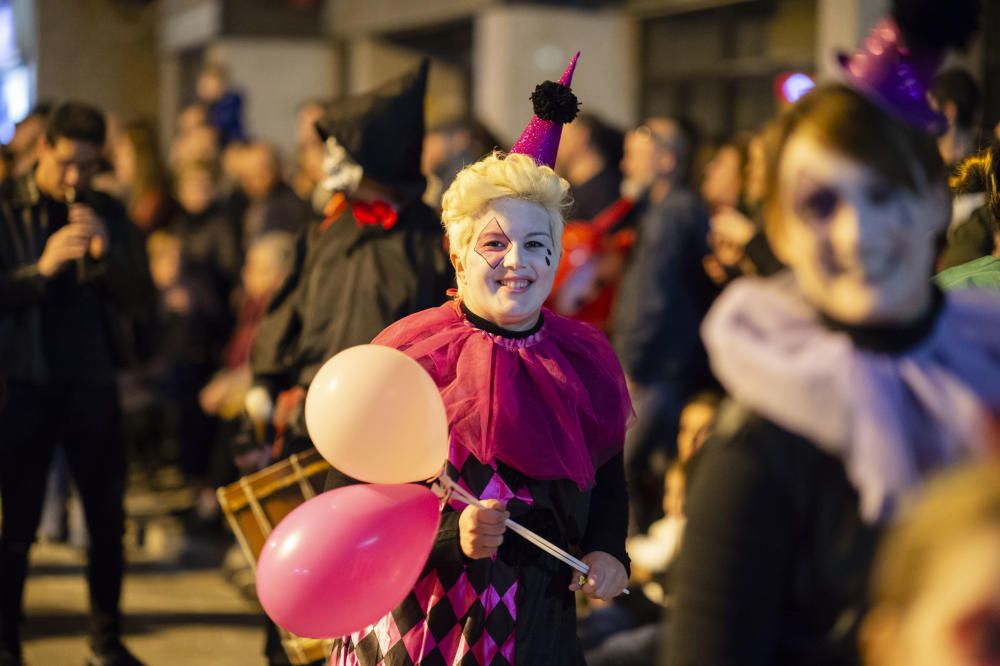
x=365, y=213
x=376, y=212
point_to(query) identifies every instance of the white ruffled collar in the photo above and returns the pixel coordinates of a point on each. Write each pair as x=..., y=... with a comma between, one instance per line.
x=890, y=417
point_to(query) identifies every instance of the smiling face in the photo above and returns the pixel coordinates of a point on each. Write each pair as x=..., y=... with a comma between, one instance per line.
x=861, y=249
x=723, y=178
x=506, y=272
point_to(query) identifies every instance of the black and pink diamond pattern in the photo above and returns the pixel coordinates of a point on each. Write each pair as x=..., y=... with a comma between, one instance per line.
x=462, y=615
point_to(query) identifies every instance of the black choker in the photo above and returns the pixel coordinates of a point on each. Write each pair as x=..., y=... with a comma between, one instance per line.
x=490, y=327
x=892, y=339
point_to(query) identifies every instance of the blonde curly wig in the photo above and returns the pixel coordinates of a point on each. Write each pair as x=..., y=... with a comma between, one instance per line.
x=497, y=176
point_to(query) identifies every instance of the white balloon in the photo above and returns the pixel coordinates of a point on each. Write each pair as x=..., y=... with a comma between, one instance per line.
x=376, y=415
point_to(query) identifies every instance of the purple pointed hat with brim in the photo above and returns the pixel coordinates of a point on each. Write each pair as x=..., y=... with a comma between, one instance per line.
x=895, y=77
x=555, y=105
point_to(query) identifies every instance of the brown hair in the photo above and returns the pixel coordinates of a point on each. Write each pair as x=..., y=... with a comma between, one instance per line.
x=843, y=120
x=149, y=173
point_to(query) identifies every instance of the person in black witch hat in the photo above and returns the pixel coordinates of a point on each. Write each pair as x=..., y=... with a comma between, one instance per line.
x=377, y=255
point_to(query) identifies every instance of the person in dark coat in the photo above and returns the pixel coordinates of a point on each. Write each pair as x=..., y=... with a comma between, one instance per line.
x=71, y=268
x=852, y=379
x=376, y=257
x=590, y=152
x=264, y=201
x=662, y=298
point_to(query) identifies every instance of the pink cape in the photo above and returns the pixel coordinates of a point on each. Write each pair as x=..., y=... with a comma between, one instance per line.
x=552, y=406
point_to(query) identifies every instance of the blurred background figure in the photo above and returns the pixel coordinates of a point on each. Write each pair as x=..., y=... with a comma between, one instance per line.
x=209, y=236
x=723, y=181
x=191, y=327
x=308, y=167
x=19, y=155
x=970, y=258
x=936, y=580
x=629, y=631
x=959, y=98
x=269, y=261
x=663, y=296
x=265, y=201
x=448, y=148
x=733, y=186
x=589, y=154
x=138, y=177
x=196, y=144
x=223, y=105
x=974, y=183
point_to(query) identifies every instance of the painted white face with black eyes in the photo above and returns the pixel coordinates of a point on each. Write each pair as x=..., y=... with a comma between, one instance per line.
x=506, y=273
x=861, y=249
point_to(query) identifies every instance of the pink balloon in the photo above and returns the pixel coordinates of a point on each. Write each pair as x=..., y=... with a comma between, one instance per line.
x=376, y=415
x=344, y=559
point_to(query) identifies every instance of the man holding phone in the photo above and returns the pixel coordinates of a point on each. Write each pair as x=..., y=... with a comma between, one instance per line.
x=70, y=270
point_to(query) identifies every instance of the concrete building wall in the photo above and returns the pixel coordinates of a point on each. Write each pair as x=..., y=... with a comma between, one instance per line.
x=372, y=61
x=99, y=52
x=842, y=25
x=517, y=47
x=349, y=18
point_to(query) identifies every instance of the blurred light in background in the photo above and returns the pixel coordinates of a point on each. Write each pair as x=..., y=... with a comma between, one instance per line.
x=15, y=76
x=793, y=85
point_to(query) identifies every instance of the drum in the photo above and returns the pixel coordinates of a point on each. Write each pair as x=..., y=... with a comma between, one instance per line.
x=256, y=503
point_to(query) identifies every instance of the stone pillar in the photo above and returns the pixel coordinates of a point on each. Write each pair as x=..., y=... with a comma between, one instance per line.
x=89, y=51
x=516, y=47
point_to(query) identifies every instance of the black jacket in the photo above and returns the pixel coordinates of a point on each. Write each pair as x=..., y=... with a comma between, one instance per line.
x=347, y=285
x=664, y=295
x=775, y=562
x=78, y=325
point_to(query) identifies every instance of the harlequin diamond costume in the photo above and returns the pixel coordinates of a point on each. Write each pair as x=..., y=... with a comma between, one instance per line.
x=537, y=420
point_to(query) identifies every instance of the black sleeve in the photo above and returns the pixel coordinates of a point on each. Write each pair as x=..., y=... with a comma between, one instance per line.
x=658, y=307
x=760, y=254
x=446, y=549
x=607, y=521
x=273, y=355
x=124, y=269
x=21, y=287
x=730, y=573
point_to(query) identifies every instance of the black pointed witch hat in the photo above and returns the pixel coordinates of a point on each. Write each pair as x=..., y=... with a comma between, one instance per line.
x=383, y=131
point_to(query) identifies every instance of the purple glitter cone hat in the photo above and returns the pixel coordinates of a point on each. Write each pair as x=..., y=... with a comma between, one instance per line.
x=895, y=77
x=555, y=105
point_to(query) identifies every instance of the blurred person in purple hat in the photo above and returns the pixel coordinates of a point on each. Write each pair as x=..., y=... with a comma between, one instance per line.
x=852, y=376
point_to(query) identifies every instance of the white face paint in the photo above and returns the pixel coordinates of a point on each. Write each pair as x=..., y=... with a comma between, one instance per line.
x=861, y=249
x=340, y=172
x=507, y=271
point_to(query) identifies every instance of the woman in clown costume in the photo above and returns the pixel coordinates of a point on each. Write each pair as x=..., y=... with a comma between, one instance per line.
x=537, y=409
